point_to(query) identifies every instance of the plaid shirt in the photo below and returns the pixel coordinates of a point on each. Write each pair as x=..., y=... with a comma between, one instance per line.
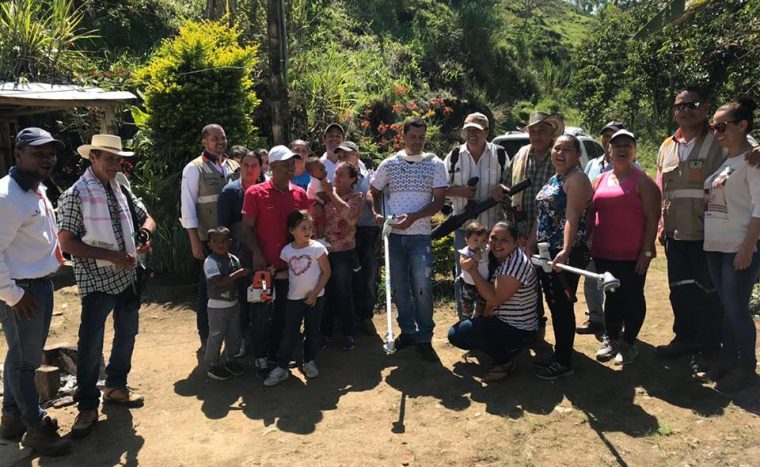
x=90, y=278
x=539, y=174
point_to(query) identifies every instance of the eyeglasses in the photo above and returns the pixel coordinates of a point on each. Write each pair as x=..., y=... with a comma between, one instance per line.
x=720, y=127
x=687, y=106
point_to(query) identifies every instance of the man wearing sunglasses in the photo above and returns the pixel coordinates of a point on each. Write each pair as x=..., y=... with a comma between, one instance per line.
x=684, y=161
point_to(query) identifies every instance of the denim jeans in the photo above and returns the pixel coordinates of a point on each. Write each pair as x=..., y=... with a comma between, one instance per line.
x=96, y=307
x=296, y=311
x=697, y=312
x=735, y=289
x=491, y=335
x=26, y=339
x=594, y=297
x=224, y=327
x=339, y=296
x=411, y=258
x=459, y=243
x=365, y=280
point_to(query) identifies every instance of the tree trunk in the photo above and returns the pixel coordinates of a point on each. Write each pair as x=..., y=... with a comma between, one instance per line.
x=216, y=9
x=278, y=63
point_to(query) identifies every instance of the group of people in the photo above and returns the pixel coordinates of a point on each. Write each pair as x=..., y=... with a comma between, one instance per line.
x=304, y=230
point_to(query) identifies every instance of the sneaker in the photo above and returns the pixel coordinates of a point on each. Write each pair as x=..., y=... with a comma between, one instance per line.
x=123, y=396
x=234, y=368
x=84, y=423
x=403, y=341
x=367, y=327
x=543, y=363
x=44, y=438
x=589, y=327
x=626, y=354
x=241, y=352
x=675, y=348
x=276, y=376
x=310, y=370
x=555, y=370
x=607, y=351
x=349, y=343
x=736, y=379
x=427, y=352
x=262, y=367
x=11, y=427
x=218, y=373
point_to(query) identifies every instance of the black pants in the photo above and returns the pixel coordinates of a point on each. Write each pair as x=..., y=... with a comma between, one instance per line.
x=559, y=289
x=339, y=296
x=269, y=321
x=201, y=315
x=365, y=281
x=697, y=311
x=297, y=312
x=626, y=307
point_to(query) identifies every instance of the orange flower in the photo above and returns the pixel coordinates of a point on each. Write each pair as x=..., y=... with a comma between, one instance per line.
x=397, y=108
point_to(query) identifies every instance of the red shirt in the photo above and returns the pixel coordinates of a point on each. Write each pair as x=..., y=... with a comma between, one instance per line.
x=270, y=207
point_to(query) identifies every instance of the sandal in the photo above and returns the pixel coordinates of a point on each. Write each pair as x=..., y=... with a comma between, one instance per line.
x=499, y=372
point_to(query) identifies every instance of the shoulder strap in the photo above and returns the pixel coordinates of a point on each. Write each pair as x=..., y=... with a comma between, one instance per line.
x=131, y=205
x=453, y=161
x=501, y=154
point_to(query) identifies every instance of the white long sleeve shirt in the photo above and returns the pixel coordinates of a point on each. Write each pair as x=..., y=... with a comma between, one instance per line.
x=28, y=237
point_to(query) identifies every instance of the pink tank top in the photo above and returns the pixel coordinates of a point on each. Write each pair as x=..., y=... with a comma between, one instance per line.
x=619, y=222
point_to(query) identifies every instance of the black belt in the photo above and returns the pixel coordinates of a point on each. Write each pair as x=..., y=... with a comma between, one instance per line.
x=29, y=282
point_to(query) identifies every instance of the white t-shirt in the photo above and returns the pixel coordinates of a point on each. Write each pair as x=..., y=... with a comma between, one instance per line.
x=410, y=187
x=482, y=264
x=303, y=268
x=733, y=200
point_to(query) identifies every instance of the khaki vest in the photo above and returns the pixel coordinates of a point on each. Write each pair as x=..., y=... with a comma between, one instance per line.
x=210, y=186
x=683, y=208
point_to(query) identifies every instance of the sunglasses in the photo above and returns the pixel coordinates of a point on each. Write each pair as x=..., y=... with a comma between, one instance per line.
x=687, y=106
x=721, y=126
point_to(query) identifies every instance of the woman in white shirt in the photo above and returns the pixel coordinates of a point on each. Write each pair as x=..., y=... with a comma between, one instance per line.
x=732, y=230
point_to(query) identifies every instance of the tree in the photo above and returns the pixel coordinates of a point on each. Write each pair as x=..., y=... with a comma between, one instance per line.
x=217, y=9
x=278, y=65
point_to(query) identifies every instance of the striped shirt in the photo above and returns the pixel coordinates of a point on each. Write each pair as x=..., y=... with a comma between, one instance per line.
x=520, y=310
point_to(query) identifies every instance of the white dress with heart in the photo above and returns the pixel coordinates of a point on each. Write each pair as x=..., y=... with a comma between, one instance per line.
x=303, y=268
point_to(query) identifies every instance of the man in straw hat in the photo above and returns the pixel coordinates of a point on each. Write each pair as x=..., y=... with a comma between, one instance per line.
x=96, y=227
x=29, y=253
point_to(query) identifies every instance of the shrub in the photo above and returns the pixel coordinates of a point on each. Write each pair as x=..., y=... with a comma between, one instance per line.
x=201, y=76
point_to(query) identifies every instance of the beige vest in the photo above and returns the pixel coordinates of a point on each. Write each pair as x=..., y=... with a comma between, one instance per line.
x=210, y=186
x=683, y=207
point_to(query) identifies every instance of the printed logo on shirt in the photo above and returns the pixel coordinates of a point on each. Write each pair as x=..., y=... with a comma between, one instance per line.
x=299, y=264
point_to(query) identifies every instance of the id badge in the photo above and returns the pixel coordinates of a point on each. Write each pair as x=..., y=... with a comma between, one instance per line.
x=695, y=171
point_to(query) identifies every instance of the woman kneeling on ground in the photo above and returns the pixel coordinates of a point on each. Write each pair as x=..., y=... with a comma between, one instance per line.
x=509, y=320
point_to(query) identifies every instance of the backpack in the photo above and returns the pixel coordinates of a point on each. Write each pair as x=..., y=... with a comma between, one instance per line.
x=501, y=155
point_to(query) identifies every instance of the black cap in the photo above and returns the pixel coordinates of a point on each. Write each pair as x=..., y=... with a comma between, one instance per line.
x=614, y=126
x=334, y=125
x=34, y=136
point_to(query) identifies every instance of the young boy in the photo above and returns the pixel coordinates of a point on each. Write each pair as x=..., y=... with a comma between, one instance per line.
x=222, y=271
x=475, y=236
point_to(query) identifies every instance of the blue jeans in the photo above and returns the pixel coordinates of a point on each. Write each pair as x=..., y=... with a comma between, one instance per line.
x=497, y=339
x=95, y=310
x=411, y=258
x=26, y=339
x=339, y=294
x=594, y=297
x=297, y=311
x=735, y=289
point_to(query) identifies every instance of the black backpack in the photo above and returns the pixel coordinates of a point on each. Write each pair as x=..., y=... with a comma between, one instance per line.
x=501, y=155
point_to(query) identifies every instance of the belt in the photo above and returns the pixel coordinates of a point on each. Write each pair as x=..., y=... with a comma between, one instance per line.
x=29, y=282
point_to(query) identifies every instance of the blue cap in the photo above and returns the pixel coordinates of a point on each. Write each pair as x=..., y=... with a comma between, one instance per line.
x=34, y=136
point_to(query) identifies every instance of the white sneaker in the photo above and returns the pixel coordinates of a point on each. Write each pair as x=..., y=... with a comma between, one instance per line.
x=627, y=353
x=277, y=375
x=310, y=369
x=607, y=351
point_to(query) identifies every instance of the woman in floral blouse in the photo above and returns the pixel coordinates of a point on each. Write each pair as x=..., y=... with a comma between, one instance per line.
x=341, y=213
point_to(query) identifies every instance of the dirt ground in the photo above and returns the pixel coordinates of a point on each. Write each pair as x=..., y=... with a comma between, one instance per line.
x=368, y=408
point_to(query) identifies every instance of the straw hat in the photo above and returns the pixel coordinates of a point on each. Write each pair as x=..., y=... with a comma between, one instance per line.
x=555, y=121
x=107, y=143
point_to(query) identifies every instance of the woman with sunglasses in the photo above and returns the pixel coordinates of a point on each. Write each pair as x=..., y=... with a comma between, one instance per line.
x=732, y=231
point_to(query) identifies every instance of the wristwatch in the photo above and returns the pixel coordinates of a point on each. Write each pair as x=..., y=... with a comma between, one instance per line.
x=647, y=254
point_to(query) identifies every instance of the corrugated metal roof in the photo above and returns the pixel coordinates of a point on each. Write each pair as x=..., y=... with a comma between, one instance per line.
x=43, y=93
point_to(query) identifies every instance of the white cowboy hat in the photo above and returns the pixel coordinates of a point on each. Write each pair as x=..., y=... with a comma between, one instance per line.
x=554, y=121
x=107, y=143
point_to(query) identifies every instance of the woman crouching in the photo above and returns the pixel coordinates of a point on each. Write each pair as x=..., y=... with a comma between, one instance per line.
x=509, y=320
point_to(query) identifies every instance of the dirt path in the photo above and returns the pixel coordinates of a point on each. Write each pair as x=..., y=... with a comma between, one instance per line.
x=369, y=408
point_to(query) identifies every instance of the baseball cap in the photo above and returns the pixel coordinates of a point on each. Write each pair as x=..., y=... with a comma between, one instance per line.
x=348, y=146
x=614, y=126
x=34, y=136
x=334, y=125
x=621, y=133
x=281, y=153
x=476, y=120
